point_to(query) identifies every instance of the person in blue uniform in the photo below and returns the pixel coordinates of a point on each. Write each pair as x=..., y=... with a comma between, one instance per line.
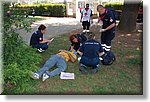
x=37, y=40
x=90, y=52
x=107, y=18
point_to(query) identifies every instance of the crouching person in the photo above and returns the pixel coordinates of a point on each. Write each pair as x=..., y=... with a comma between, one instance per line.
x=90, y=52
x=60, y=60
x=37, y=40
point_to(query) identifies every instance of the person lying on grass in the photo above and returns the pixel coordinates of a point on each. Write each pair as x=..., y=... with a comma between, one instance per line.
x=59, y=60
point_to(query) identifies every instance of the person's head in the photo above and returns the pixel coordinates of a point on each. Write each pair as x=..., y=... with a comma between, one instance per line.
x=87, y=6
x=43, y=29
x=73, y=38
x=91, y=35
x=101, y=9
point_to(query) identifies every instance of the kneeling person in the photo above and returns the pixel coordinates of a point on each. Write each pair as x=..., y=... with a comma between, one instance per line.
x=37, y=40
x=90, y=52
x=59, y=60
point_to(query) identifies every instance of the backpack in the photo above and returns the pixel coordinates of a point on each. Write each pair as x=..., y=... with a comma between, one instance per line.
x=108, y=58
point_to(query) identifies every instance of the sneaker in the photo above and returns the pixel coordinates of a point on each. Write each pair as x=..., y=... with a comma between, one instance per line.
x=84, y=31
x=87, y=31
x=40, y=50
x=83, y=70
x=93, y=71
x=34, y=75
x=45, y=76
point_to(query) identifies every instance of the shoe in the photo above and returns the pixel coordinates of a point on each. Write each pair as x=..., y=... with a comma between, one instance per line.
x=93, y=71
x=40, y=50
x=83, y=70
x=87, y=31
x=84, y=31
x=45, y=76
x=34, y=75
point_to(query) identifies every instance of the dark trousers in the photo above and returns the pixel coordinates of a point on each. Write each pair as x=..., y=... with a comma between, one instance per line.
x=94, y=62
x=43, y=46
x=86, y=25
x=106, y=39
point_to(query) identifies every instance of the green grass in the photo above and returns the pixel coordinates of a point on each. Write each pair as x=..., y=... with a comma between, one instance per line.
x=123, y=77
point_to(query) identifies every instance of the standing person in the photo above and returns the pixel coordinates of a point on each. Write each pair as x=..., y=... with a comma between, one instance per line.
x=86, y=16
x=90, y=52
x=33, y=12
x=37, y=40
x=106, y=17
x=60, y=60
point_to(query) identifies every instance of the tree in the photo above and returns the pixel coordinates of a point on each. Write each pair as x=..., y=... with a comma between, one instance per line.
x=129, y=15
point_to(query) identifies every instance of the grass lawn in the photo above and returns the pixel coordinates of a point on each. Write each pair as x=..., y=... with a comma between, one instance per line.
x=124, y=77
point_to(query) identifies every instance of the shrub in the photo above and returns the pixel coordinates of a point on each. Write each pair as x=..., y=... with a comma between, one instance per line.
x=54, y=10
x=18, y=58
x=115, y=6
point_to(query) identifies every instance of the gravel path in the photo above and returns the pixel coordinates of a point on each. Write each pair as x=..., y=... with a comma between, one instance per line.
x=55, y=26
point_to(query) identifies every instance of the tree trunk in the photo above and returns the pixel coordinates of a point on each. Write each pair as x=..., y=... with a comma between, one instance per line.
x=129, y=15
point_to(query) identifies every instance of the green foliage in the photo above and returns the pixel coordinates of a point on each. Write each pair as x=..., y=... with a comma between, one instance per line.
x=54, y=10
x=116, y=5
x=18, y=58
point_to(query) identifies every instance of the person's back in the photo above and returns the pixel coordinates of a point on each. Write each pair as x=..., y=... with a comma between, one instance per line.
x=91, y=48
x=36, y=38
x=90, y=52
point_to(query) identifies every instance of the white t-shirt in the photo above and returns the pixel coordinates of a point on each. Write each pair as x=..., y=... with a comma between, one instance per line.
x=86, y=15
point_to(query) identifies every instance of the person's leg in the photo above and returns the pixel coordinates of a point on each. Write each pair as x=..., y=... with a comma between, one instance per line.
x=94, y=69
x=103, y=40
x=61, y=66
x=88, y=26
x=109, y=38
x=44, y=46
x=83, y=68
x=84, y=25
x=49, y=64
x=94, y=63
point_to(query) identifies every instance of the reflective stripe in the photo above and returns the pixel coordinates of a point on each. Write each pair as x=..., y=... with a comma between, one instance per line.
x=108, y=47
x=103, y=47
x=103, y=44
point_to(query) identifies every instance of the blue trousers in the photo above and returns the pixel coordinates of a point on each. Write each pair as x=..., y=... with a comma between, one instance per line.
x=43, y=46
x=94, y=62
x=57, y=60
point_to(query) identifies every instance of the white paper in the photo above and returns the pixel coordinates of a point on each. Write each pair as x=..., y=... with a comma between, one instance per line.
x=65, y=75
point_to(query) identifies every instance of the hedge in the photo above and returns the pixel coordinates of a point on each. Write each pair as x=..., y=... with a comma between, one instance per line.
x=53, y=10
x=115, y=6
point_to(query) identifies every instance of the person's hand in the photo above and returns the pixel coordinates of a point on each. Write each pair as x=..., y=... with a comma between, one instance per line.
x=61, y=50
x=81, y=20
x=102, y=30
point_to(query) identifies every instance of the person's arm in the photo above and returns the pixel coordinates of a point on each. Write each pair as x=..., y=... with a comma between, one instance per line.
x=101, y=54
x=72, y=59
x=80, y=53
x=109, y=27
x=45, y=41
x=71, y=48
x=81, y=17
